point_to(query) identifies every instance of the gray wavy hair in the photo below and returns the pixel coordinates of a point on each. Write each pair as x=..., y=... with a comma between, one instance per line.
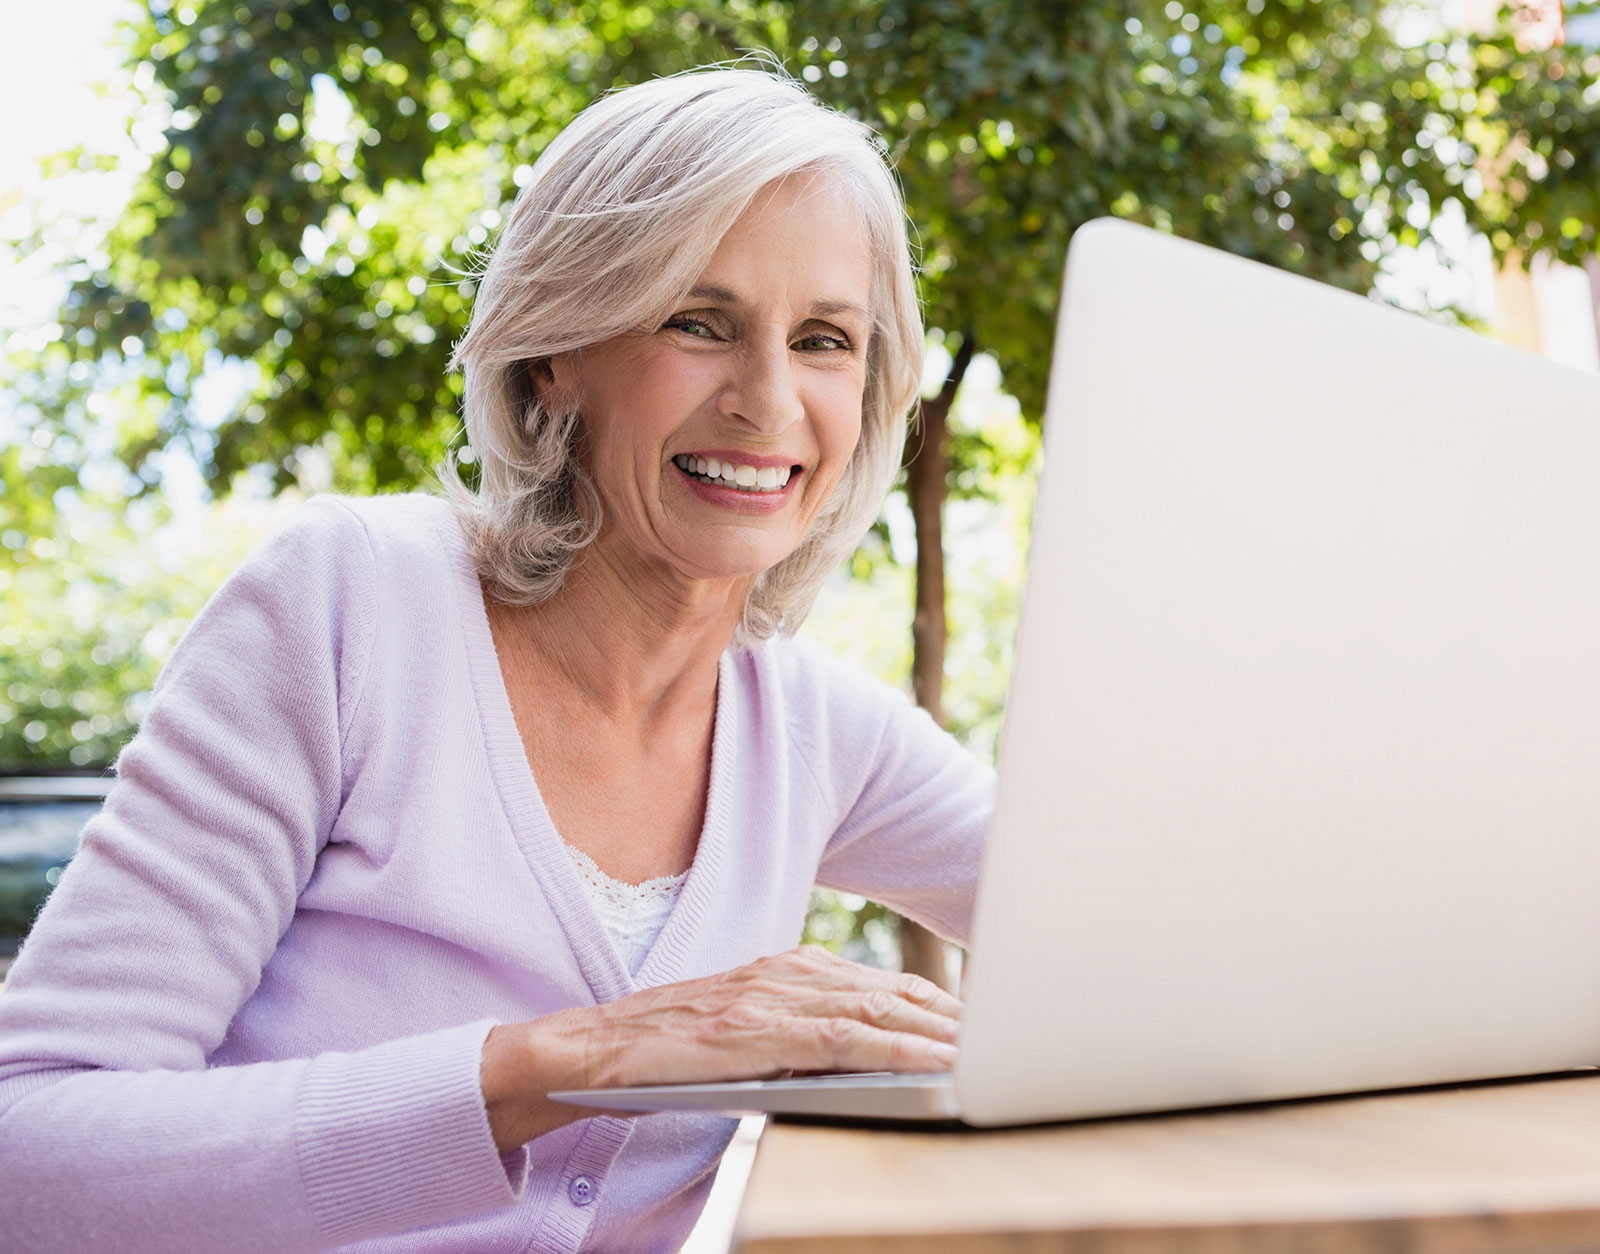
x=622, y=214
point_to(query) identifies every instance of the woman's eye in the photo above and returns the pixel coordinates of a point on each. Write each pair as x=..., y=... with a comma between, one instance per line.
x=691, y=326
x=818, y=341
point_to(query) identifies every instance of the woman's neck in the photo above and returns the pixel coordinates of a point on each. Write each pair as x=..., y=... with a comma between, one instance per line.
x=631, y=647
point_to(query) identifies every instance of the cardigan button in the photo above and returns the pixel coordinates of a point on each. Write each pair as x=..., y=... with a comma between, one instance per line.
x=581, y=1190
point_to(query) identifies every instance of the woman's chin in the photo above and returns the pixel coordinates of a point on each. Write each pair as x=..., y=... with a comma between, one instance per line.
x=735, y=569
x=731, y=563
x=731, y=551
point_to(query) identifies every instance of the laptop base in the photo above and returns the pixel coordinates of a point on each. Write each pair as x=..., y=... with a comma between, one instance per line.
x=876, y=1096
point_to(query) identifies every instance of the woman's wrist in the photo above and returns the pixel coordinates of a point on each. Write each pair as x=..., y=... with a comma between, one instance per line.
x=522, y=1063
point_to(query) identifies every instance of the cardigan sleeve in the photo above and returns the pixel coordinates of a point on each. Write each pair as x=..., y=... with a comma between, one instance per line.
x=114, y=1132
x=915, y=809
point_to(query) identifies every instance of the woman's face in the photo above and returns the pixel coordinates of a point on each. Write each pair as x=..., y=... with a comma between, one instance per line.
x=715, y=439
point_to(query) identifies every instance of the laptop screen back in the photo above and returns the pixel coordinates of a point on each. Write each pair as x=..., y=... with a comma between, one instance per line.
x=1300, y=778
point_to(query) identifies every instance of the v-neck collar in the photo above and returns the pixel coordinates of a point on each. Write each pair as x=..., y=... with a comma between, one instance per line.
x=535, y=832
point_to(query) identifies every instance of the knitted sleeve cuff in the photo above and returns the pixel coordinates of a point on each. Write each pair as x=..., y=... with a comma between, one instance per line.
x=396, y=1136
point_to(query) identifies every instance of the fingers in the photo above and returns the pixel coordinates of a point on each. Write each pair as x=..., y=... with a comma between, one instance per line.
x=929, y=995
x=843, y=1044
x=820, y=969
x=879, y=1008
x=857, y=1018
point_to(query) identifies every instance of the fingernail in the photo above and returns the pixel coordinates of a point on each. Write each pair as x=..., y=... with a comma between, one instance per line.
x=943, y=1053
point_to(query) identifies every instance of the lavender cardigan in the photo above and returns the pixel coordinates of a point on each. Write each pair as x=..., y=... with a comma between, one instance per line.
x=251, y=1016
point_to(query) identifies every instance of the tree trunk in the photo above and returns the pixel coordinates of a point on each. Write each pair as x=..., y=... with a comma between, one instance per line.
x=926, y=467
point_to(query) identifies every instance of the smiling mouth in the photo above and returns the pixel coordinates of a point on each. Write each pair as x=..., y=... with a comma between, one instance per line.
x=732, y=475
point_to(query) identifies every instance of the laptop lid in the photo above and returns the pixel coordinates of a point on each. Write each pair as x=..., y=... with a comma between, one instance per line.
x=1300, y=777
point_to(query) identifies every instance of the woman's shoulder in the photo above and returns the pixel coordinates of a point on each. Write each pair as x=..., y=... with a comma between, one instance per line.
x=349, y=563
x=364, y=536
x=870, y=750
x=802, y=666
x=395, y=522
x=823, y=698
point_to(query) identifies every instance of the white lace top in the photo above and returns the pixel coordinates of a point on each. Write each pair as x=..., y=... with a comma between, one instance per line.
x=634, y=914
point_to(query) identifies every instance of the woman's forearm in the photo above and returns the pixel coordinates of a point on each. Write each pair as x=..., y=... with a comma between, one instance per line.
x=292, y=1155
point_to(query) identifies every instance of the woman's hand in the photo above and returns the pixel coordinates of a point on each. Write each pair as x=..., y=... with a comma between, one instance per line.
x=804, y=1010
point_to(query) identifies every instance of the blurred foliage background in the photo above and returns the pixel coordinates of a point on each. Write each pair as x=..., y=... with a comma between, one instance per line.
x=313, y=182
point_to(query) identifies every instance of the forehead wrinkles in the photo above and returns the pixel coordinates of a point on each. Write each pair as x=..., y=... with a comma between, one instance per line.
x=826, y=277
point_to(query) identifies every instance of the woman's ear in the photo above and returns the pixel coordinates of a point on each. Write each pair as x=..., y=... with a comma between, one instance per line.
x=554, y=382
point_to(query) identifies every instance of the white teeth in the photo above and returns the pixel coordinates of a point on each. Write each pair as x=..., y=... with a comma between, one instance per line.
x=745, y=478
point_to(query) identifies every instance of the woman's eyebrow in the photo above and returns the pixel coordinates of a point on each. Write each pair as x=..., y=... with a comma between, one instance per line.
x=819, y=309
x=716, y=295
x=828, y=308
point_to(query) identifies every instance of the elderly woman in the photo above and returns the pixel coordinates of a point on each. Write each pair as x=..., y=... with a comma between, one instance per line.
x=446, y=804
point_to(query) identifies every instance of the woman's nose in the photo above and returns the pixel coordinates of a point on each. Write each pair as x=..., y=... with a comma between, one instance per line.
x=764, y=392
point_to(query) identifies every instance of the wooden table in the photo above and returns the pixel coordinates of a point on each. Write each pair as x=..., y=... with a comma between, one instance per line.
x=1505, y=1167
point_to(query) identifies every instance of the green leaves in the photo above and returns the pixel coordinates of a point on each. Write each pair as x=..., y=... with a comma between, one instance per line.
x=322, y=157
x=329, y=171
x=90, y=607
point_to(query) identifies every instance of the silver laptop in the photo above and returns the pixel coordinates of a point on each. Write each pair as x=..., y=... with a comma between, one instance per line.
x=1300, y=779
